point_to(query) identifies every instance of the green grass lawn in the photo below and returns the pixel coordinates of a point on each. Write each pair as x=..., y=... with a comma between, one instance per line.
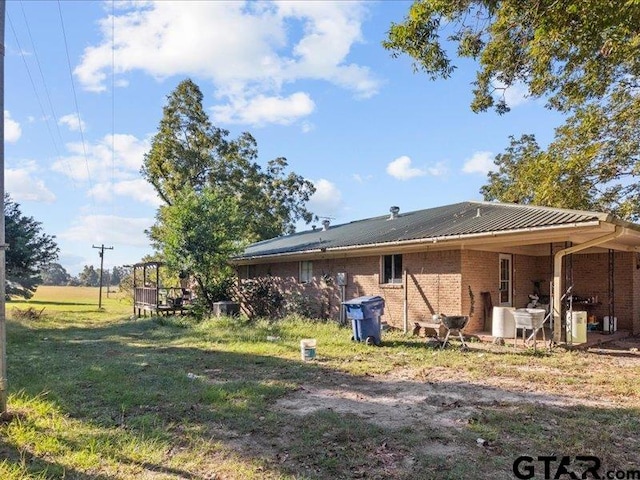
x=96, y=394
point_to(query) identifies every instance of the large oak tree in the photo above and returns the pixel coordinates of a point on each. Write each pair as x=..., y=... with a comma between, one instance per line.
x=581, y=56
x=188, y=151
x=216, y=194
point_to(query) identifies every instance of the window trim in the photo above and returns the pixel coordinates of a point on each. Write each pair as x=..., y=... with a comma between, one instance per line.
x=506, y=282
x=396, y=277
x=305, y=275
x=250, y=272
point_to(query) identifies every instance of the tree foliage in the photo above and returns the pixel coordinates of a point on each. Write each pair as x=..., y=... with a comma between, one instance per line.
x=55, y=274
x=198, y=233
x=217, y=197
x=89, y=276
x=30, y=250
x=188, y=151
x=582, y=57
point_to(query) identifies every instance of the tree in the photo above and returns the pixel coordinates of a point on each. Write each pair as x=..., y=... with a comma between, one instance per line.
x=216, y=195
x=30, y=250
x=55, y=274
x=582, y=56
x=188, y=151
x=89, y=276
x=117, y=274
x=198, y=233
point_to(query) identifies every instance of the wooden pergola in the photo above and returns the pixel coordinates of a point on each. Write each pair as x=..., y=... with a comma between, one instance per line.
x=149, y=295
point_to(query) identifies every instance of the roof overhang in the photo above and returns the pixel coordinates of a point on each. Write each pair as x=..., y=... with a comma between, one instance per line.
x=532, y=241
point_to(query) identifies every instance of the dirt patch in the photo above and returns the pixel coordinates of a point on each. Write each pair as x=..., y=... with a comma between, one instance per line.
x=394, y=403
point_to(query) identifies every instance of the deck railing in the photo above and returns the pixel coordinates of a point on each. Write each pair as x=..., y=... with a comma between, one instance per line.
x=157, y=298
x=146, y=296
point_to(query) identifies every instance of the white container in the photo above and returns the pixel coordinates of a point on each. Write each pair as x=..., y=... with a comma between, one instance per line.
x=308, y=349
x=606, y=325
x=503, y=324
x=576, y=327
x=529, y=318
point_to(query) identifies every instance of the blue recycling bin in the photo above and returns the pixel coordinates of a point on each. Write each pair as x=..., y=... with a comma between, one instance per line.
x=364, y=313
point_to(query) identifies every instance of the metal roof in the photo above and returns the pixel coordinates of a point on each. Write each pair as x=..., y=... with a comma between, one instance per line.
x=460, y=219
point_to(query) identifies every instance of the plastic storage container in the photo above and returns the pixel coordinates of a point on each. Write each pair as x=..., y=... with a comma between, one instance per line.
x=503, y=325
x=364, y=313
x=607, y=326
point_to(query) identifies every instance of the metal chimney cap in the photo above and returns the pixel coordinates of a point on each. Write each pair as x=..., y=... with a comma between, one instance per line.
x=394, y=211
x=325, y=224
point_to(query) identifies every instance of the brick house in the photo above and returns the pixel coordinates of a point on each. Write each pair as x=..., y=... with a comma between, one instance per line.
x=436, y=260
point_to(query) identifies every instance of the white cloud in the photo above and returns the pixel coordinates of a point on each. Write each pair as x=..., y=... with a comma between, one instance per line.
x=261, y=109
x=438, y=170
x=137, y=189
x=279, y=43
x=361, y=179
x=117, y=157
x=109, y=229
x=327, y=199
x=12, y=130
x=72, y=122
x=401, y=169
x=514, y=95
x=480, y=162
x=23, y=185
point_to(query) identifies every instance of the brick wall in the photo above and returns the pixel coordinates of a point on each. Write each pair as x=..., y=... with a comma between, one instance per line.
x=480, y=271
x=635, y=322
x=438, y=282
x=591, y=277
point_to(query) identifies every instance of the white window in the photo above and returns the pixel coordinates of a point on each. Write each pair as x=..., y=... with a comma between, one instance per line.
x=391, y=269
x=306, y=272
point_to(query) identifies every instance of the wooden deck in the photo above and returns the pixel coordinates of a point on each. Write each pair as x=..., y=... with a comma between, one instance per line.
x=150, y=297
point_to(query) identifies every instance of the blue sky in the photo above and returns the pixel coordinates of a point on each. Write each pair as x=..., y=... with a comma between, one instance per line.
x=85, y=83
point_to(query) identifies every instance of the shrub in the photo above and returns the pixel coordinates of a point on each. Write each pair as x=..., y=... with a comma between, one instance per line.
x=261, y=298
x=301, y=305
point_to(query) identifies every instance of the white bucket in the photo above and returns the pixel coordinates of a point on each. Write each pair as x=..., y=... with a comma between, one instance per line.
x=308, y=349
x=606, y=325
x=577, y=327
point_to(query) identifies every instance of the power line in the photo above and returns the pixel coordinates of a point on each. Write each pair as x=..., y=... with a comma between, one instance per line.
x=46, y=90
x=113, y=109
x=102, y=248
x=75, y=99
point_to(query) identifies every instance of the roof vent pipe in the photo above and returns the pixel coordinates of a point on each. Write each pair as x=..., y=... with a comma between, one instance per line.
x=478, y=213
x=325, y=224
x=394, y=212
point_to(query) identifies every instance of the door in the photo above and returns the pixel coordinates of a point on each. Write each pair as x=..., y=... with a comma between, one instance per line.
x=506, y=279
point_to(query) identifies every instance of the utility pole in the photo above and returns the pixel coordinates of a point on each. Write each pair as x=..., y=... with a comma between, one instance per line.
x=102, y=248
x=3, y=311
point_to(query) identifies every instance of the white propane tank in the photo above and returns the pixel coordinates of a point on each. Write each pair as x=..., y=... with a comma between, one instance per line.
x=576, y=327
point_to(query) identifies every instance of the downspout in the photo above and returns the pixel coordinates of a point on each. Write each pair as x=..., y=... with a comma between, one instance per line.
x=405, y=311
x=557, y=275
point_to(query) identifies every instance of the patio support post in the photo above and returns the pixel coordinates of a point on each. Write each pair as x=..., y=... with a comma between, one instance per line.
x=557, y=276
